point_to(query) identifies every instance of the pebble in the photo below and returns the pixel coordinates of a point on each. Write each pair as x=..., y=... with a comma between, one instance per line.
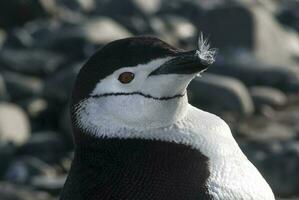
x=14, y=124
x=20, y=86
x=267, y=96
x=220, y=93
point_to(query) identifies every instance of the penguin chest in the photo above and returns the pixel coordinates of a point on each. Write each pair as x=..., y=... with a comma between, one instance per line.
x=140, y=169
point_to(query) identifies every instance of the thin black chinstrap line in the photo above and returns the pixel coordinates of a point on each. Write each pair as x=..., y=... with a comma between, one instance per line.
x=137, y=93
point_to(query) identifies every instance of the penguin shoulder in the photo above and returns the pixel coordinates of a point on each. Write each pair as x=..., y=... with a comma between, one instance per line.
x=232, y=175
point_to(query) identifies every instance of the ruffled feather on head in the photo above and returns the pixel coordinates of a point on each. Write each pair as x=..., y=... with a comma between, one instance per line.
x=204, y=51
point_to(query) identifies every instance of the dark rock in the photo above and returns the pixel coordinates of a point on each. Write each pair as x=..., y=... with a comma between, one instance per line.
x=251, y=26
x=57, y=7
x=17, y=12
x=9, y=191
x=288, y=14
x=127, y=13
x=266, y=96
x=7, y=152
x=3, y=91
x=253, y=72
x=34, y=106
x=23, y=169
x=46, y=146
x=174, y=29
x=148, y=7
x=278, y=163
x=2, y=37
x=264, y=130
x=52, y=185
x=21, y=86
x=18, y=38
x=101, y=30
x=219, y=93
x=14, y=124
x=65, y=123
x=59, y=86
x=31, y=62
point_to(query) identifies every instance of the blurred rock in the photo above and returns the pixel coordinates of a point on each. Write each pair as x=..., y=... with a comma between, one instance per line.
x=49, y=184
x=65, y=123
x=31, y=62
x=7, y=152
x=288, y=14
x=59, y=86
x=2, y=37
x=18, y=38
x=278, y=163
x=17, y=12
x=251, y=26
x=101, y=30
x=220, y=93
x=20, y=86
x=127, y=13
x=3, y=91
x=34, y=106
x=262, y=130
x=23, y=169
x=173, y=29
x=148, y=7
x=13, y=192
x=266, y=96
x=14, y=124
x=253, y=72
x=47, y=146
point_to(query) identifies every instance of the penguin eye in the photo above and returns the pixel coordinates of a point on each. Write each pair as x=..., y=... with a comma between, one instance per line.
x=126, y=77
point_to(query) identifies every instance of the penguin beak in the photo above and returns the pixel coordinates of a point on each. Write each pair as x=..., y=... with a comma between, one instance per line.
x=185, y=63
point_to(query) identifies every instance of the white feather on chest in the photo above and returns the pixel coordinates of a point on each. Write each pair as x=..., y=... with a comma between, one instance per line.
x=232, y=176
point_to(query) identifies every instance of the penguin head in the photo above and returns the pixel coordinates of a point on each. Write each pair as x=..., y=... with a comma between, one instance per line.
x=137, y=83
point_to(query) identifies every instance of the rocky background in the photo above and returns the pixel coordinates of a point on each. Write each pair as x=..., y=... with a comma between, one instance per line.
x=254, y=84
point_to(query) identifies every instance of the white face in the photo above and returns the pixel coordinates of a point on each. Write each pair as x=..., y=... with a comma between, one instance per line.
x=146, y=102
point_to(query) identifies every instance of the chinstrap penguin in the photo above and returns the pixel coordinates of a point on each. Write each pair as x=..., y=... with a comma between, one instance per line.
x=137, y=137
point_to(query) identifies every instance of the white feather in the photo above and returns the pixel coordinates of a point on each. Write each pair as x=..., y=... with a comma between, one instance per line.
x=204, y=51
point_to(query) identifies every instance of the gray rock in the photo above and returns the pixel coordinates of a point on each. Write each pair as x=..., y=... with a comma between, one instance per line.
x=24, y=169
x=59, y=86
x=266, y=96
x=148, y=7
x=251, y=26
x=17, y=12
x=9, y=191
x=253, y=72
x=2, y=37
x=127, y=13
x=288, y=14
x=262, y=129
x=21, y=86
x=65, y=123
x=18, y=38
x=31, y=62
x=34, y=107
x=3, y=92
x=7, y=152
x=46, y=146
x=278, y=163
x=173, y=29
x=14, y=124
x=220, y=93
x=49, y=184
x=101, y=30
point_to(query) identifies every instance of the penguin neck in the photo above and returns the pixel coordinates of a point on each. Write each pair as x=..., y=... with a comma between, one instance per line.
x=94, y=120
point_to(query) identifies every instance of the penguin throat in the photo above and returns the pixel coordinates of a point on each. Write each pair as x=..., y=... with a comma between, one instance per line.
x=104, y=117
